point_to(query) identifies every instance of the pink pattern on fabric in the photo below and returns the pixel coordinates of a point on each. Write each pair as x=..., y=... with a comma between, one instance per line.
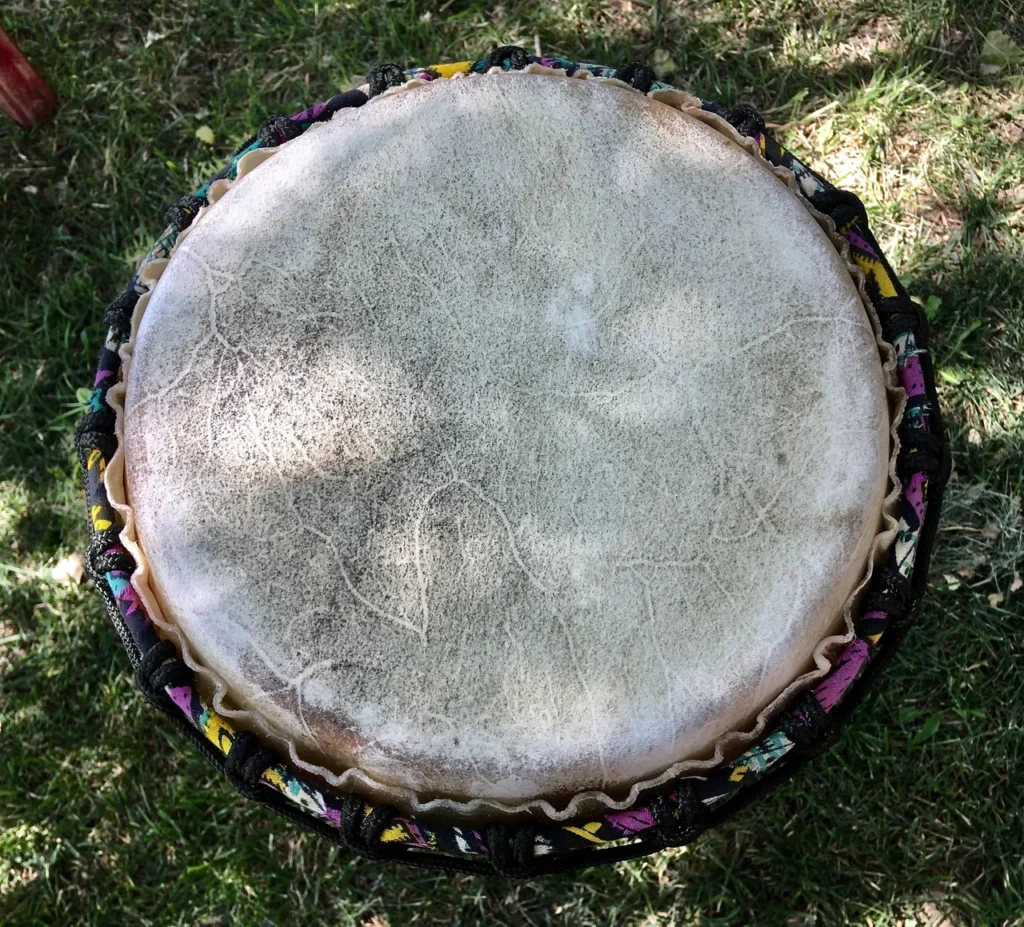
x=182, y=697
x=914, y=494
x=912, y=376
x=631, y=822
x=860, y=244
x=129, y=595
x=846, y=669
x=420, y=841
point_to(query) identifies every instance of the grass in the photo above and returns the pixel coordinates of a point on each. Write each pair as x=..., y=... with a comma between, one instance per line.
x=915, y=816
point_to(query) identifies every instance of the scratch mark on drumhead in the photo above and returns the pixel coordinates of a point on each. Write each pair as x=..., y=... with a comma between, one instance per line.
x=418, y=630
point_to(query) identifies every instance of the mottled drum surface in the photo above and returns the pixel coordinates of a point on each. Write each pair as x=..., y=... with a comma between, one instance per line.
x=506, y=437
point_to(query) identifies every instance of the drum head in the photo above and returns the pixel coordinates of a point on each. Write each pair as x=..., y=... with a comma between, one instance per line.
x=505, y=438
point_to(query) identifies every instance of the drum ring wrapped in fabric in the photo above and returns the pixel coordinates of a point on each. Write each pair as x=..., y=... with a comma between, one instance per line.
x=676, y=810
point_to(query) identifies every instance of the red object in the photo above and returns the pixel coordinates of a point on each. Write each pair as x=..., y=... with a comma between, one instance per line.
x=23, y=93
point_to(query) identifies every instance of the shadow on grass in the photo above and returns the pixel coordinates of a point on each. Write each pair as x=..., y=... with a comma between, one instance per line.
x=978, y=342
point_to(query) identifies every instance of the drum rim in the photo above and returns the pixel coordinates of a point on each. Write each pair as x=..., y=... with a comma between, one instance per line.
x=685, y=807
x=580, y=802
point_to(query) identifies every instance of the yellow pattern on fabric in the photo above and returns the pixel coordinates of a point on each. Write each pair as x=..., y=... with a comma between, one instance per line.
x=274, y=778
x=98, y=522
x=587, y=831
x=450, y=70
x=876, y=270
x=219, y=732
x=393, y=833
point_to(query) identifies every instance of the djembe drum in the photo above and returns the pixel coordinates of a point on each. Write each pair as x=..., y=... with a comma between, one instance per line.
x=512, y=458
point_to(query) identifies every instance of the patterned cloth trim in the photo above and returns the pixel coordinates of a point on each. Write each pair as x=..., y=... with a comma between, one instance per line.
x=722, y=783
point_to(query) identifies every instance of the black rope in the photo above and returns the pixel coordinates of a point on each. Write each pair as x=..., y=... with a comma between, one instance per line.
x=510, y=848
x=746, y=120
x=351, y=818
x=920, y=451
x=808, y=725
x=97, y=421
x=361, y=832
x=257, y=764
x=158, y=668
x=638, y=76
x=899, y=315
x=507, y=57
x=347, y=100
x=276, y=130
x=841, y=205
x=101, y=559
x=245, y=764
x=119, y=313
x=181, y=214
x=384, y=76
x=95, y=432
x=682, y=819
x=371, y=830
x=171, y=673
x=890, y=592
x=91, y=435
x=899, y=322
x=711, y=106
